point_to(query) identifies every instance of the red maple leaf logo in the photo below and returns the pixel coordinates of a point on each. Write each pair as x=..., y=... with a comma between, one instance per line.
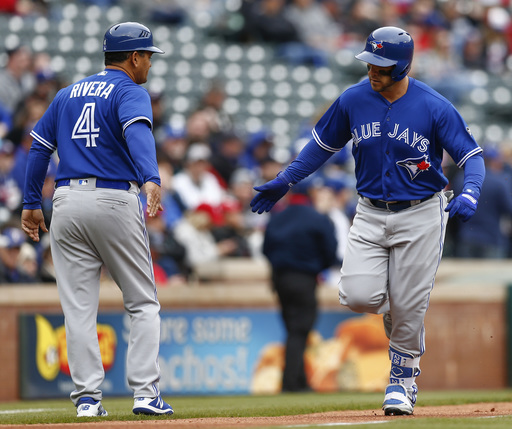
x=423, y=165
x=376, y=45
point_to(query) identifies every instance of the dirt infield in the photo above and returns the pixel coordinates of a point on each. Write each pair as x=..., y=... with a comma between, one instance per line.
x=366, y=416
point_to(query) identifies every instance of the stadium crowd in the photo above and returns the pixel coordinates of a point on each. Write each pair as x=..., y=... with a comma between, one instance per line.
x=209, y=165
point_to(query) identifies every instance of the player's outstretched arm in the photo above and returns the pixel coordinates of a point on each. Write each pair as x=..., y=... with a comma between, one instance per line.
x=31, y=221
x=269, y=194
x=310, y=159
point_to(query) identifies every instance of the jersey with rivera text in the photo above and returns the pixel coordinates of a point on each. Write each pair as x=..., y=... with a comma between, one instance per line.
x=85, y=123
x=397, y=147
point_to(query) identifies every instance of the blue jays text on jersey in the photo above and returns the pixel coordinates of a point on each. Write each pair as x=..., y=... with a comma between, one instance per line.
x=410, y=137
x=398, y=147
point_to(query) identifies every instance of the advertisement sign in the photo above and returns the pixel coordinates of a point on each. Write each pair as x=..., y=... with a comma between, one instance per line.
x=205, y=352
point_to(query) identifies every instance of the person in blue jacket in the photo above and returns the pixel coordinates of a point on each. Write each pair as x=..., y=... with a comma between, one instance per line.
x=299, y=243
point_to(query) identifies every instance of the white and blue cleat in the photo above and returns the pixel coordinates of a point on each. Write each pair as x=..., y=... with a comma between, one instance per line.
x=151, y=406
x=88, y=407
x=396, y=401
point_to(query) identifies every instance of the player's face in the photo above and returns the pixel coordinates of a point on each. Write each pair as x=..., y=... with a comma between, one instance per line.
x=380, y=78
x=144, y=64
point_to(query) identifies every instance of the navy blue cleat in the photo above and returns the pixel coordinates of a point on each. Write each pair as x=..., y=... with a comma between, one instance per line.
x=151, y=406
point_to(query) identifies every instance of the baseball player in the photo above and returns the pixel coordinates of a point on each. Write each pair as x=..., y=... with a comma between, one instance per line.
x=101, y=128
x=399, y=128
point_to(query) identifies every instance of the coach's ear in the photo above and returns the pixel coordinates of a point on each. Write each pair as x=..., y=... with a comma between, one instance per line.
x=135, y=58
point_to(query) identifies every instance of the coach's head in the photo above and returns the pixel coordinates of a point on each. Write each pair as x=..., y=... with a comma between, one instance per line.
x=129, y=46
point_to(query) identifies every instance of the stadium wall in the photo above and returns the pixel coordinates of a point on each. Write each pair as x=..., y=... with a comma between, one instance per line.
x=466, y=325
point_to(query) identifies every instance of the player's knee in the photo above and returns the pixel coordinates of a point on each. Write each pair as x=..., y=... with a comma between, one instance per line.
x=361, y=303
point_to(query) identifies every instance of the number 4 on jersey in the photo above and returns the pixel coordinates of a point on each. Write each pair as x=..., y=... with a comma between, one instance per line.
x=84, y=127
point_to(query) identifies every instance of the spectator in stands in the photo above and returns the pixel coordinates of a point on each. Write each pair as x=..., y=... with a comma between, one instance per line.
x=360, y=20
x=332, y=196
x=266, y=21
x=196, y=184
x=316, y=27
x=48, y=83
x=28, y=264
x=11, y=240
x=17, y=78
x=167, y=254
x=260, y=145
x=299, y=244
x=442, y=69
x=10, y=193
x=173, y=144
x=194, y=232
x=24, y=7
x=241, y=189
x=171, y=201
x=473, y=51
x=209, y=121
x=233, y=228
x=498, y=26
x=226, y=156
x=483, y=236
x=5, y=121
x=158, y=109
x=28, y=113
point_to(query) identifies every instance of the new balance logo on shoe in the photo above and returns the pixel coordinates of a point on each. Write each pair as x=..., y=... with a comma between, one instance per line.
x=151, y=406
x=88, y=407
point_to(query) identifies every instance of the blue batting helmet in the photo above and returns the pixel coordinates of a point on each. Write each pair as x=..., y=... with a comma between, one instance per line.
x=389, y=46
x=129, y=36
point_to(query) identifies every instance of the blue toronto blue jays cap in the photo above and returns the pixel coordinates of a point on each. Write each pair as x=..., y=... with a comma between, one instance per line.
x=12, y=237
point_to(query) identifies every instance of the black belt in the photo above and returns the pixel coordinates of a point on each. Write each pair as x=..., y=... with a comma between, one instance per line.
x=100, y=183
x=396, y=206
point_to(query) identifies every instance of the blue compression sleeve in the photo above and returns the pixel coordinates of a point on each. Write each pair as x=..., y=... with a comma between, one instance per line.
x=141, y=145
x=310, y=159
x=37, y=166
x=474, y=174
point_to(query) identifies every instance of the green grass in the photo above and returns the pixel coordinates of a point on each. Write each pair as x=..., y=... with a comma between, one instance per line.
x=119, y=409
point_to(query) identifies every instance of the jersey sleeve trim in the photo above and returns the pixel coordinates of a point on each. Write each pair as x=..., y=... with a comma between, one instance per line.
x=138, y=118
x=469, y=155
x=41, y=140
x=322, y=144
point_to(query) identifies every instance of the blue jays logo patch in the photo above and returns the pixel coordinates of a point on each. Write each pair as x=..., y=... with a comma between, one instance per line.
x=415, y=166
x=376, y=45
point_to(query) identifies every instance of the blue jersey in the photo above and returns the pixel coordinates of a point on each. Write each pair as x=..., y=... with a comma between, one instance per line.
x=85, y=123
x=397, y=147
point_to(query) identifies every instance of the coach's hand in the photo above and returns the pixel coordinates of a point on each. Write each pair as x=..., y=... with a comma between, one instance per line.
x=154, y=198
x=31, y=221
x=463, y=206
x=269, y=194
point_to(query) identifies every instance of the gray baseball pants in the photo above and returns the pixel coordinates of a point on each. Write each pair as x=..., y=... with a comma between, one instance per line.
x=92, y=227
x=390, y=264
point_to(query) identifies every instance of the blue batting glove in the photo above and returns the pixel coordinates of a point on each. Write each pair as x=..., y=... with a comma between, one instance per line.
x=463, y=206
x=269, y=193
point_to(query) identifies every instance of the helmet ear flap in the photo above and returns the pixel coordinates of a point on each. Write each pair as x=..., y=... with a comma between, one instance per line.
x=399, y=75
